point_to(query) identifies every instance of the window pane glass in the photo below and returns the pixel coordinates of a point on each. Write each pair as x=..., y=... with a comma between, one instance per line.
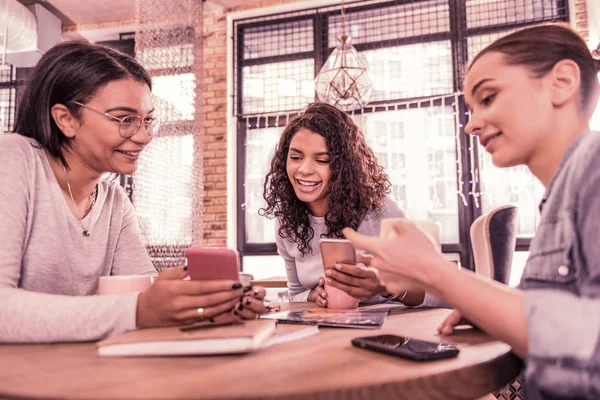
x=516, y=185
x=7, y=109
x=518, y=265
x=397, y=21
x=417, y=147
x=278, y=86
x=163, y=190
x=502, y=12
x=477, y=43
x=416, y=70
x=278, y=39
x=260, y=147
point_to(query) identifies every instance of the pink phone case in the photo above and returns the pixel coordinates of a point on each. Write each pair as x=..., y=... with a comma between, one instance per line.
x=337, y=251
x=205, y=263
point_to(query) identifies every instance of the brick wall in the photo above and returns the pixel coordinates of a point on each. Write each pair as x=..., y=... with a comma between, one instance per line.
x=215, y=120
x=580, y=18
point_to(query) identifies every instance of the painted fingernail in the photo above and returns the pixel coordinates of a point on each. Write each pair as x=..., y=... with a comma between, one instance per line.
x=236, y=286
x=247, y=289
x=256, y=291
x=241, y=298
x=211, y=319
x=240, y=307
x=248, y=301
x=185, y=269
x=235, y=312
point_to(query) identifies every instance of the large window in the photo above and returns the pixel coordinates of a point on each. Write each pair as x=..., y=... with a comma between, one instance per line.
x=417, y=52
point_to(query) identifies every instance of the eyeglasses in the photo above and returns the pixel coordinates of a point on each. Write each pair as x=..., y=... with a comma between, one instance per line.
x=129, y=125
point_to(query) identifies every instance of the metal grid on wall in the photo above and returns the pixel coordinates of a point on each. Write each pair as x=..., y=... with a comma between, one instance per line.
x=415, y=49
x=8, y=100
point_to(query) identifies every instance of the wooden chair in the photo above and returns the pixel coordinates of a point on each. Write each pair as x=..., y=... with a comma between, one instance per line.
x=493, y=239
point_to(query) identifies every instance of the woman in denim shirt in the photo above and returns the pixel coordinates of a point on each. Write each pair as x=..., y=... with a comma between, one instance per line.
x=531, y=95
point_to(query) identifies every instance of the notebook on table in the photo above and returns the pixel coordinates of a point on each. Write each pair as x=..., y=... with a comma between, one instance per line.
x=195, y=340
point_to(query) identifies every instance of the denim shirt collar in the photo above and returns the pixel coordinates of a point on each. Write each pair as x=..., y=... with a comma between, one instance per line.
x=562, y=163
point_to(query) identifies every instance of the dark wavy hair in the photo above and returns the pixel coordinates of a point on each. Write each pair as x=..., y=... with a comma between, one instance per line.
x=69, y=72
x=356, y=187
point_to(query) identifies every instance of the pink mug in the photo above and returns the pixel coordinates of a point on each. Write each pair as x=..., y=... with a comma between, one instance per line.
x=124, y=283
x=339, y=299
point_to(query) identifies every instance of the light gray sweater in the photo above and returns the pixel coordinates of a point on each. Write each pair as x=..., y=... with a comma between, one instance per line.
x=48, y=270
x=304, y=271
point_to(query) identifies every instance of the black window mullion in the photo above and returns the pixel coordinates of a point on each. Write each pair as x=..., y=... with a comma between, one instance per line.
x=241, y=188
x=458, y=22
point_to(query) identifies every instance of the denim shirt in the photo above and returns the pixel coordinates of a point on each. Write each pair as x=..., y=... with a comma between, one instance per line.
x=561, y=281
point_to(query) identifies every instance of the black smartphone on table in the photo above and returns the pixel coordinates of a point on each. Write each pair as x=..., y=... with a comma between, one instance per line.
x=401, y=346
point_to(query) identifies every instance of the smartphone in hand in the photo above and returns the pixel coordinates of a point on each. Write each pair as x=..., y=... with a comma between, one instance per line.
x=411, y=349
x=335, y=251
x=206, y=263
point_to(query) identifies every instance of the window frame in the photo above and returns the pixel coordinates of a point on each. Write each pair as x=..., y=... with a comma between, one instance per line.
x=458, y=35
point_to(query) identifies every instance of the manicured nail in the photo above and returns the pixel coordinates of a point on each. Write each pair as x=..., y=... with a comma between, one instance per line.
x=236, y=286
x=248, y=301
x=185, y=269
x=235, y=312
x=329, y=281
x=211, y=319
x=328, y=272
x=247, y=289
x=338, y=267
x=240, y=307
x=256, y=291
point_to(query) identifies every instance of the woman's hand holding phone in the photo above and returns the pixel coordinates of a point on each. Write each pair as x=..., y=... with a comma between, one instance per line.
x=318, y=294
x=358, y=281
x=172, y=300
x=251, y=305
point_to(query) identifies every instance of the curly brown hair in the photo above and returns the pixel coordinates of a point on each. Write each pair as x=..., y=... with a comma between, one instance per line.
x=356, y=187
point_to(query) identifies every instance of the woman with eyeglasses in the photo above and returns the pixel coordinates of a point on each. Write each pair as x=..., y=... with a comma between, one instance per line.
x=87, y=111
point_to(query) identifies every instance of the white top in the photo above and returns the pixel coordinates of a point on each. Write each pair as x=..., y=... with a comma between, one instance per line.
x=48, y=269
x=304, y=271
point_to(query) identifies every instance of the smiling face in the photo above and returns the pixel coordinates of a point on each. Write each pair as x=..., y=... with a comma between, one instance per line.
x=510, y=111
x=96, y=141
x=308, y=169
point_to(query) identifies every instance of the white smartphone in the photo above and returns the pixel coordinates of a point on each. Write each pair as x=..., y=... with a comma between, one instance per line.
x=335, y=251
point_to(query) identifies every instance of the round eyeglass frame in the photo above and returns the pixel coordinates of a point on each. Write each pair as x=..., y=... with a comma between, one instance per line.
x=151, y=128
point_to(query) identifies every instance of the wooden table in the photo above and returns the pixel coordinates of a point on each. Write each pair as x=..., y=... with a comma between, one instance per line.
x=325, y=366
x=272, y=282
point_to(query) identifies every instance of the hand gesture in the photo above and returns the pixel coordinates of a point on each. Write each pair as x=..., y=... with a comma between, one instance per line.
x=172, y=300
x=318, y=294
x=360, y=282
x=406, y=258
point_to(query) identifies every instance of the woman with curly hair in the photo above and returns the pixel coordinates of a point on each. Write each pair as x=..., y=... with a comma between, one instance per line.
x=325, y=177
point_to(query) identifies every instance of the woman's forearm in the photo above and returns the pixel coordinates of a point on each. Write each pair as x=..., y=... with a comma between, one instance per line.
x=490, y=305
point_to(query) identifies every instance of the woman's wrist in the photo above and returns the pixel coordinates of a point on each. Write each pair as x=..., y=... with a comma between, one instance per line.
x=441, y=272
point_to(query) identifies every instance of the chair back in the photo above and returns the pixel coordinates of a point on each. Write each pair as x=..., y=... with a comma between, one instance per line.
x=493, y=239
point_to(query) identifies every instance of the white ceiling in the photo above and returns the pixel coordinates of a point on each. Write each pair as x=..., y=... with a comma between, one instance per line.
x=85, y=12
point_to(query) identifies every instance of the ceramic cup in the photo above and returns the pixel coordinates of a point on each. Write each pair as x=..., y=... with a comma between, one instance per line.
x=339, y=299
x=124, y=283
